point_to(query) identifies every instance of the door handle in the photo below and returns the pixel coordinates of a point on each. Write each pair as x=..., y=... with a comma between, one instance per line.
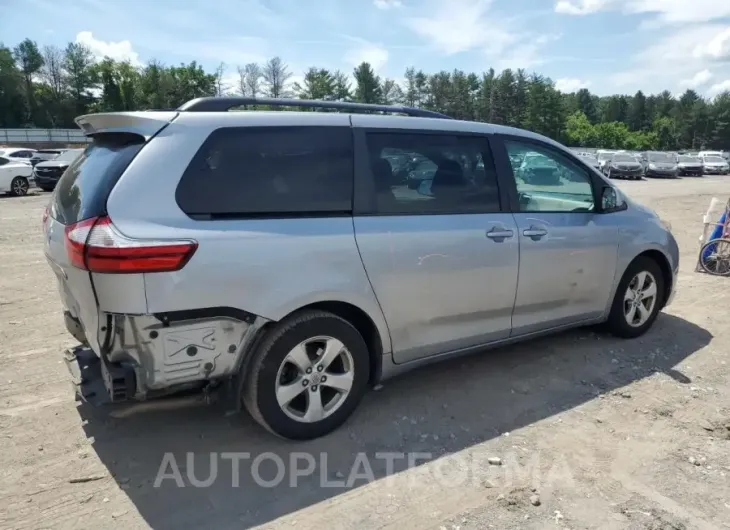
x=499, y=234
x=534, y=233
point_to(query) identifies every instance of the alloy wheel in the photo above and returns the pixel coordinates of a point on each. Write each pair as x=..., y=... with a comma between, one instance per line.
x=314, y=379
x=640, y=298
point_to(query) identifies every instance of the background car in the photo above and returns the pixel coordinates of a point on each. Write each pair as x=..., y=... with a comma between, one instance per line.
x=604, y=155
x=18, y=154
x=536, y=168
x=591, y=160
x=689, y=165
x=45, y=154
x=715, y=165
x=16, y=177
x=623, y=165
x=47, y=173
x=659, y=164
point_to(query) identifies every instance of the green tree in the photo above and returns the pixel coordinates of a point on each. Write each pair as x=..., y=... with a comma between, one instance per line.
x=78, y=65
x=30, y=61
x=637, y=118
x=367, y=84
x=12, y=102
x=318, y=83
x=586, y=105
x=579, y=131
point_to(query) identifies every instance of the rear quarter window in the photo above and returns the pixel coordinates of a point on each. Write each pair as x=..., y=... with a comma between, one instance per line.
x=268, y=172
x=82, y=191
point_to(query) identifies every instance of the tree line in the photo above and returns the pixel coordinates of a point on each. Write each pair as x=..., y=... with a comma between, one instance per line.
x=48, y=87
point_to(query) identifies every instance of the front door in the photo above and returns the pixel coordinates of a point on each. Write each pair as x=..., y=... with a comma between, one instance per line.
x=440, y=253
x=568, y=252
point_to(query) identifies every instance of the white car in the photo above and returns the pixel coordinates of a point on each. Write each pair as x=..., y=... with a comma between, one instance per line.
x=18, y=154
x=16, y=177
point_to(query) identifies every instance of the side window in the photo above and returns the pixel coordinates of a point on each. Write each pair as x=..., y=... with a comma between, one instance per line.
x=270, y=171
x=3, y=161
x=548, y=181
x=432, y=174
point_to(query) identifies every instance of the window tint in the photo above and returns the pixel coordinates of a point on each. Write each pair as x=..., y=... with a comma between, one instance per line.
x=266, y=171
x=3, y=161
x=431, y=174
x=82, y=191
x=548, y=181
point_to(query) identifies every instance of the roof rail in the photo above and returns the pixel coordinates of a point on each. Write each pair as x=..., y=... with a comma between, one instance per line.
x=223, y=104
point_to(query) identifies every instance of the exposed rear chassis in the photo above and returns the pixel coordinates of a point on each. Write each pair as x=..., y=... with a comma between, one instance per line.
x=144, y=357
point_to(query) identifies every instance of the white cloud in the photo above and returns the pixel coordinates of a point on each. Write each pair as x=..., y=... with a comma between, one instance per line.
x=367, y=52
x=665, y=11
x=571, y=84
x=462, y=25
x=719, y=88
x=717, y=48
x=580, y=7
x=528, y=53
x=697, y=80
x=119, y=51
x=387, y=4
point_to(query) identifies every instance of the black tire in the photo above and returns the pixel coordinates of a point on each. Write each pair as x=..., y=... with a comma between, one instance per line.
x=617, y=324
x=45, y=188
x=259, y=395
x=19, y=187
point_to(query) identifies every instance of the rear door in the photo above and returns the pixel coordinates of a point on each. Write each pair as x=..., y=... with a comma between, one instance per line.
x=568, y=252
x=439, y=251
x=81, y=195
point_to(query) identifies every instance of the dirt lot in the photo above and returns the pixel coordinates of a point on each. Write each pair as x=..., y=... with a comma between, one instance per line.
x=591, y=431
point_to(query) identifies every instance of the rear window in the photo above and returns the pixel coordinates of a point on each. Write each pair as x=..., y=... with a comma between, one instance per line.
x=269, y=172
x=82, y=191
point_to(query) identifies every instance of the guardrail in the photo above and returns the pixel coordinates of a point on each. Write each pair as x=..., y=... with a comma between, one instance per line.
x=35, y=136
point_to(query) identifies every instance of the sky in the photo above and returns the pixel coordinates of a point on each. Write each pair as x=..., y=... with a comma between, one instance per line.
x=607, y=46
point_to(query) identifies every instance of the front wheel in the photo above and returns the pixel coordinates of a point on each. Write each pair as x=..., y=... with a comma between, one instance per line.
x=19, y=186
x=307, y=376
x=638, y=299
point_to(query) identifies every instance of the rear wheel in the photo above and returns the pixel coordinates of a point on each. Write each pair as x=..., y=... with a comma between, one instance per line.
x=19, y=186
x=638, y=299
x=307, y=376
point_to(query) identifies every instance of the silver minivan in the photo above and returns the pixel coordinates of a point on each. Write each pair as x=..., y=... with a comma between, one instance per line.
x=292, y=259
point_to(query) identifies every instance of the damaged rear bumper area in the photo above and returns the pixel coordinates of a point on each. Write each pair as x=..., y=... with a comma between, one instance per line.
x=144, y=357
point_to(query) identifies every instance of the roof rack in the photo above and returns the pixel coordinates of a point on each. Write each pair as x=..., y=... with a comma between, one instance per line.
x=223, y=104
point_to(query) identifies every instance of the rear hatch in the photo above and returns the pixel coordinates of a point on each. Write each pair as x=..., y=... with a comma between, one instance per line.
x=78, y=202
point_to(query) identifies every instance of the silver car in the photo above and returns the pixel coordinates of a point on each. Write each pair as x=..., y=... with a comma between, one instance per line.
x=278, y=258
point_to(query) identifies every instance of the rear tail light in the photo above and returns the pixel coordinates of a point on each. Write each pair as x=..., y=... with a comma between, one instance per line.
x=97, y=246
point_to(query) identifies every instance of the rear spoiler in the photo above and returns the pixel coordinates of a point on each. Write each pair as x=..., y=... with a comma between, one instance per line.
x=145, y=124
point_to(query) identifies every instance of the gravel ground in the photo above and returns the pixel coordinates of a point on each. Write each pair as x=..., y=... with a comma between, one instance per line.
x=582, y=430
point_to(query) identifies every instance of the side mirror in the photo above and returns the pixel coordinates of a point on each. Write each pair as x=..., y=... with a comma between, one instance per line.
x=610, y=201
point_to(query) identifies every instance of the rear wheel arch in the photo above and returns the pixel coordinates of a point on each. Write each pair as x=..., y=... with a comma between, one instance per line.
x=364, y=324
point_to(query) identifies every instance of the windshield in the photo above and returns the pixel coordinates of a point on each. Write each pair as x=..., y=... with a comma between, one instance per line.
x=68, y=156
x=661, y=157
x=623, y=158
x=689, y=159
x=714, y=159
